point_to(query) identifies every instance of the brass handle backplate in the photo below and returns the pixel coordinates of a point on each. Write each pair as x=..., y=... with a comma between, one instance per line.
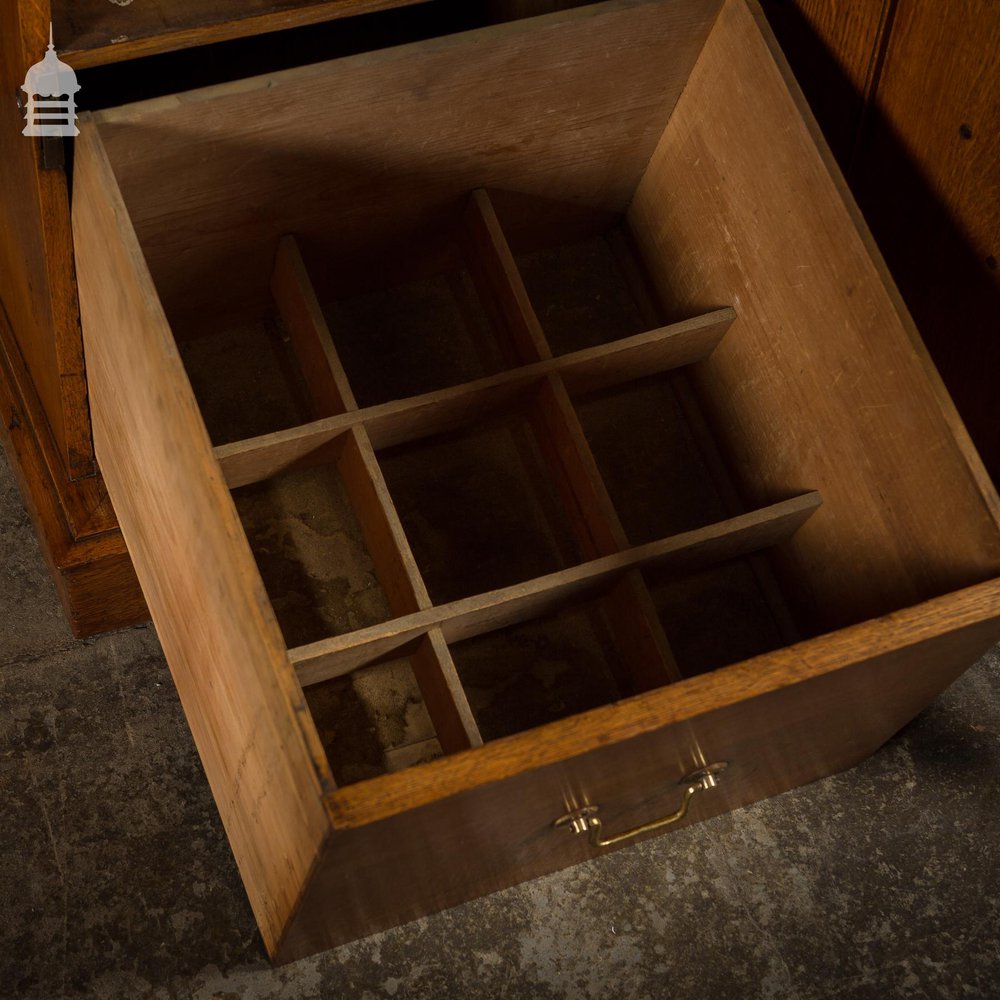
x=586, y=820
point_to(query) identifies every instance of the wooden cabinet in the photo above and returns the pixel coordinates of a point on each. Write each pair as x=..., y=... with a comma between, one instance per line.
x=543, y=384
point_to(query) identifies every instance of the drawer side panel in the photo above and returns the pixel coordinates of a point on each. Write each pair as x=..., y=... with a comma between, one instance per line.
x=823, y=382
x=240, y=696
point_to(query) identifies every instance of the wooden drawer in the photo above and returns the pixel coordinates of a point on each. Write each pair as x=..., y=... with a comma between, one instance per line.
x=508, y=426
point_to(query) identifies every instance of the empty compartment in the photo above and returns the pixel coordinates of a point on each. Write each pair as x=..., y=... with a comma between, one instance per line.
x=540, y=670
x=650, y=460
x=478, y=508
x=580, y=293
x=719, y=615
x=373, y=722
x=425, y=334
x=246, y=379
x=312, y=554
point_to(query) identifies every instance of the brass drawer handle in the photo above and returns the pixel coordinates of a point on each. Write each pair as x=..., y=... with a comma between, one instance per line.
x=586, y=820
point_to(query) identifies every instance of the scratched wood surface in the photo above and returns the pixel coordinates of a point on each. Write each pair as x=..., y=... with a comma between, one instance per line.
x=389, y=144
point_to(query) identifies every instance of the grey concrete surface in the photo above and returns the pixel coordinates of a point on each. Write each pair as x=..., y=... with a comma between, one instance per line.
x=116, y=880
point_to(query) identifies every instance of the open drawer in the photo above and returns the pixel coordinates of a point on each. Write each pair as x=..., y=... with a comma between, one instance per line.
x=510, y=431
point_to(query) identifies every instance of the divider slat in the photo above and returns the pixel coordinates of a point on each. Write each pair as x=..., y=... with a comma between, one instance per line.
x=395, y=566
x=648, y=659
x=471, y=616
x=596, y=524
x=402, y=420
x=628, y=262
x=496, y=275
x=385, y=539
x=296, y=300
x=445, y=698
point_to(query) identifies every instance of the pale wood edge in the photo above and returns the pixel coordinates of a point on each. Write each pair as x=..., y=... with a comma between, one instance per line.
x=253, y=459
x=486, y=612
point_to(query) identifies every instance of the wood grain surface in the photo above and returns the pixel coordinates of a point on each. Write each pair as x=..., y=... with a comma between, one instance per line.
x=822, y=382
x=470, y=616
x=407, y=419
x=836, y=50
x=36, y=254
x=389, y=144
x=406, y=846
x=257, y=742
x=819, y=383
x=927, y=175
x=444, y=697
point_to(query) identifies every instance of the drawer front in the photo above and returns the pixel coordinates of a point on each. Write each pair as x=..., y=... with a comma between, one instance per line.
x=778, y=722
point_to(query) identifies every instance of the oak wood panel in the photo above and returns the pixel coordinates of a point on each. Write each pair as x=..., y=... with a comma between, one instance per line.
x=822, y=382
x=246, y=710
x=36, y=252
x=45, y=412
x=84, y=506
x=388, y=144
x=470, y=616
x=96, y=32
x=927, y=175
x=835, y=49
x=780, y=720
x=970, y=618
x=93, y=576
x=399, y=421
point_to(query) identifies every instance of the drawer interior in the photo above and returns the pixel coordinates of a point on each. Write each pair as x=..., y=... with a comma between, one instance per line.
x=526, y=420
x=513, y=419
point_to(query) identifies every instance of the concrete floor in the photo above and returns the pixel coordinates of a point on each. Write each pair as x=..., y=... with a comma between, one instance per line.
x=116, y=879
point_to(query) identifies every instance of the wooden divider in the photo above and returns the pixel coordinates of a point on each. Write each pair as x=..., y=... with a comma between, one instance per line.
x=402, y=420
x=395, y=567
x=482, y=613
x=591, y=514
x=638, y=285
x=611, y=568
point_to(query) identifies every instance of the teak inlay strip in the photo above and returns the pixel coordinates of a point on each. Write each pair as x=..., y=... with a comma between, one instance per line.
x=483, y=613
